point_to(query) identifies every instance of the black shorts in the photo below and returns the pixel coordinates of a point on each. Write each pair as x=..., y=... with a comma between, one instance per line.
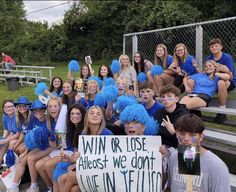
x=231, y=86
x=203, y=96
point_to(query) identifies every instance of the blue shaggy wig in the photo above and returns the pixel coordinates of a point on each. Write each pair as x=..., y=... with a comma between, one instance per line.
x=40, y=87
x=99, y=100
x=156, y=70
x=137, y=113
x=151, y=127
x=123, y=101
x=141, y=77
x=73, y=66
x=110, y=93
x=115, y=66
x=61, y=168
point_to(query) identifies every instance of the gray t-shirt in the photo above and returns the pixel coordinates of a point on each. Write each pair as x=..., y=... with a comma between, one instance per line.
x=129, y=74
x=214, y=175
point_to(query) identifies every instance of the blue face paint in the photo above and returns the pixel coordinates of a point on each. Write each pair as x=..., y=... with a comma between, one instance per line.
x=194, y=139
x=180, y=139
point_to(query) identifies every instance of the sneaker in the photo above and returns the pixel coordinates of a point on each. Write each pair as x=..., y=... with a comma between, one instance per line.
x=36, y=189
x=13, y=190
x=220, y=118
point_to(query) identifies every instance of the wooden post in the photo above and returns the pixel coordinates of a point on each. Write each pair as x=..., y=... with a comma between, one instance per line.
x=189, y=183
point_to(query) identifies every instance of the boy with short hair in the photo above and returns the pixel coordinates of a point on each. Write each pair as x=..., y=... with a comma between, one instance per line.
x=226, y=66
x=147, y=92
x=214, y=174
x=167, y=116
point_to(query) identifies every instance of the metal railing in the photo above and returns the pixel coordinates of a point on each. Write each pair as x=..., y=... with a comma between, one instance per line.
x=195, y=36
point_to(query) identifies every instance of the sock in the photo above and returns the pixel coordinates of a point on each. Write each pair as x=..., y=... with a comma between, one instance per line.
x=222, y=106
x=34, y=185
x=14, y=185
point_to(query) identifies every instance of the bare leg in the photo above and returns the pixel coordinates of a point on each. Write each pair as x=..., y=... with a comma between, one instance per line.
x=3, y=150
x=50, y=166
x=191, y=83
x=61, y=181
x=40, y=167
x=193, y=103
x=167, y=79
x=70, y=182
x=75, y=188
x=158, y=83
x=31, y=160
x=222, y=92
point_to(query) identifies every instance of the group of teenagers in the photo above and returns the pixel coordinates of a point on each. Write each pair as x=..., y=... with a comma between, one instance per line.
x=119, y=102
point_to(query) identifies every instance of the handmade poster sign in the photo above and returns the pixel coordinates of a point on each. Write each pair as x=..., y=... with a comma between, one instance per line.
x=123, y=163
x=189, y=159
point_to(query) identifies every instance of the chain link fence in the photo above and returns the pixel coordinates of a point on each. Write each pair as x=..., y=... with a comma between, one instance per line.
x=195, y=36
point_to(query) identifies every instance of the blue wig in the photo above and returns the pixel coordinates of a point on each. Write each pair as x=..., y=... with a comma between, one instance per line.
x=73, y=66
x=99, y=100
x=99, y=81
x=108, y=81
x=156, y=70
x=123, y=101
x=151, y=127
x=135, y=112
x=115, y=66
x=10, y=158
x=110, y=93
x=40, y=87
x=141, y=77
x=61, y=168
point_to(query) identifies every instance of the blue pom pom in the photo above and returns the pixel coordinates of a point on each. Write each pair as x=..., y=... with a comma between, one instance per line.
x=40, y=87
x=99, y=100
x=109, y=81
x=115, y=66
x=141, y=77
x=99, y=81
x=135, y=112
x=156, y=70
x=61, y=168
x=41, y=138
x=73, y=66
x=123, y=101
x=151, y=127
x=10, y=158
x=110, y=93
x=29, y=140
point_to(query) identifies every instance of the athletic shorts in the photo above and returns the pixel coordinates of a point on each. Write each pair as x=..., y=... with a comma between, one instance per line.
x=203, y=96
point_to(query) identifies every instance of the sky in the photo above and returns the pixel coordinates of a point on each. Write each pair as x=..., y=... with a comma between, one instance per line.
x=52, y=15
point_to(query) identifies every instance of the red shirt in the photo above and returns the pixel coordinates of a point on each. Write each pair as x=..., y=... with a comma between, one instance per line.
x=7, y=59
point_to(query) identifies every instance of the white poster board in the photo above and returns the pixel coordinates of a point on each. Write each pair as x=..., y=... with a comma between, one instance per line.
x=119, y=163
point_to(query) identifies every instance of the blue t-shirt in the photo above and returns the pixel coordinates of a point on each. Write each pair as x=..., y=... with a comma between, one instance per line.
x=86, y=103
x=169, y=60
x=54, y=93
x=227, y=60
x=154, y=108
x=187, y=66
x=204, y=85
x=34, y=122
x=23, y=128
x=9, y=123
x=105, y=131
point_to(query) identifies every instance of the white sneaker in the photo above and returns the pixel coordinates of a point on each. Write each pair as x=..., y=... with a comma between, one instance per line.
x=36, y=189
x=13, y=190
